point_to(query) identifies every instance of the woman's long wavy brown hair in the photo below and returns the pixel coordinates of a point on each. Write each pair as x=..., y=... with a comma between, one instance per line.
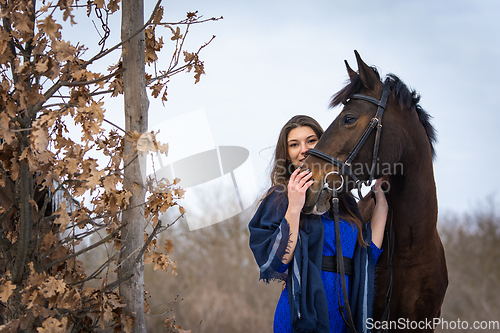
x=282, y=169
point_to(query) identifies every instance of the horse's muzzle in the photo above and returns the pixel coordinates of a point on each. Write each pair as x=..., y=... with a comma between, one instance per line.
x=317, y=201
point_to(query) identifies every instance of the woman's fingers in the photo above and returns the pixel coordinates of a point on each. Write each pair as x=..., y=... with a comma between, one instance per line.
x=302, y=177
x=306, y=178
x=308, y=184
x=383, y=181
x=293, y=176
x=299, y=180
x=381, y=186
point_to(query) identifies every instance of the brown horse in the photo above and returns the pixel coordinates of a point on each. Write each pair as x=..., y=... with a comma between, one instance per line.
x=405, y=152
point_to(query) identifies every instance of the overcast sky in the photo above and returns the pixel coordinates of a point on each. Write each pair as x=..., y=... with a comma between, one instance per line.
x=272, y=60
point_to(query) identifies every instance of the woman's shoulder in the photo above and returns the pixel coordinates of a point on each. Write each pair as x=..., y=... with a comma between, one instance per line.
x=274, y=199
x=270, y=210
x=275, y=194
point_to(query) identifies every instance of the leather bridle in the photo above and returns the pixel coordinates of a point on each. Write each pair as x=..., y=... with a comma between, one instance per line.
x=345, y=167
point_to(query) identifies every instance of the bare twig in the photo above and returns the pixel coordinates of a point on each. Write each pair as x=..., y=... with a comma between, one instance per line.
x=102, y=92
x=170, y=224
x=169, y=309
x=97, y=271
x=116, y=283
x=192, y=22
x=148, y=241
x=85, y=83
x=102, y=54
x=20, y=130
x=173, y=71
x=88, y=248
x=113, y=124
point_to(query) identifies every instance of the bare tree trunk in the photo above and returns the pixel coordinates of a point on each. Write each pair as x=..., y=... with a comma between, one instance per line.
x=24, y=189
x=136, y=111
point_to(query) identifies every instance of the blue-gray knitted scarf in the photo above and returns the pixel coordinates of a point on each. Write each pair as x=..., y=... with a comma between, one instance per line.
x=269, y=235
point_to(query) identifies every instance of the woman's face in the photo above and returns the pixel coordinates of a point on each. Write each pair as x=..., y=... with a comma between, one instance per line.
x=300, y=140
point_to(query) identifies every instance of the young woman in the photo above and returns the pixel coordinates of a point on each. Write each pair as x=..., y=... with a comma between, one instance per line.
x=297, y=248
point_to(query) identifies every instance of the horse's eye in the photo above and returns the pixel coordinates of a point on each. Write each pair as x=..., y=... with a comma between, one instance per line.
x=348, y=120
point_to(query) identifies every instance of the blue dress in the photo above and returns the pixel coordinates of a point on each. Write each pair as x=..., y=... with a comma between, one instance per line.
x=348, y=234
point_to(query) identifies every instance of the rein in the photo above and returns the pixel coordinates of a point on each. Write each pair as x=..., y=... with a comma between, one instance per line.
x=345, y=168
x=340, y=263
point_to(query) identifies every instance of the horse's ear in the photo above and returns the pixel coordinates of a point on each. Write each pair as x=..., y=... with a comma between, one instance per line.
x=366, y=73
x=352, y=74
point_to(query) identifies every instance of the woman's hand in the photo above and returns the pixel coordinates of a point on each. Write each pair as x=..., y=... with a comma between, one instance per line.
x=379, y=216
x=381, y=186
x=298, y=184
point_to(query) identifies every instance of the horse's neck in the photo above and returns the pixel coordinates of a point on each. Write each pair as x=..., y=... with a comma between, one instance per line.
x=415, y=204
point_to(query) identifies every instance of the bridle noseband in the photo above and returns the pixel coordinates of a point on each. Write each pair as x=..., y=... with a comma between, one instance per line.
x=345, y=167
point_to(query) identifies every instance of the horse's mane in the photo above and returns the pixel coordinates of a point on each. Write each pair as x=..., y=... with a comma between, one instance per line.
x=407, y=98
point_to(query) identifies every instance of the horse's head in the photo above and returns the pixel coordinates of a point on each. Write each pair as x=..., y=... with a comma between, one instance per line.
x=352, y=165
